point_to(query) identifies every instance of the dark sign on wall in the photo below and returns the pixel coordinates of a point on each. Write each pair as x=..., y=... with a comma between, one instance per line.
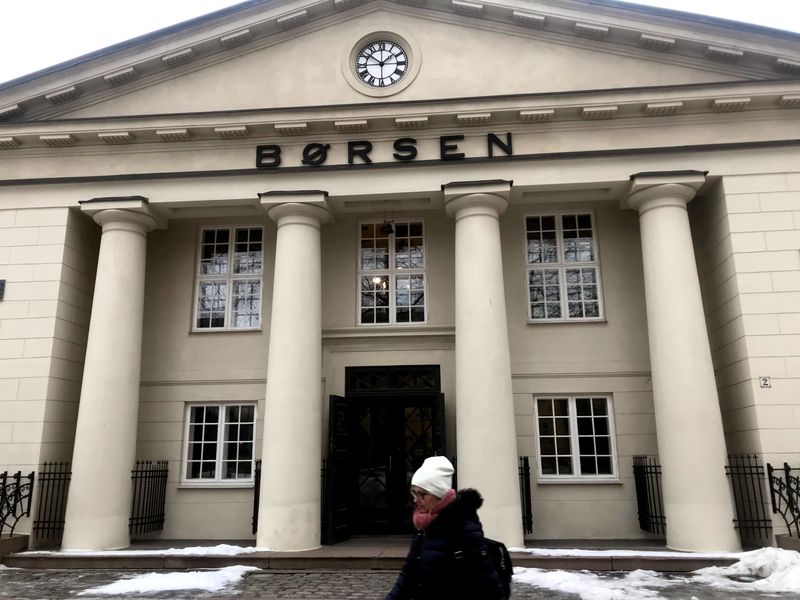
x=269, y=156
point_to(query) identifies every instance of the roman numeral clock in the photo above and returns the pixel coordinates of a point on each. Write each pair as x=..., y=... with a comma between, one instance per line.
x=381, y=63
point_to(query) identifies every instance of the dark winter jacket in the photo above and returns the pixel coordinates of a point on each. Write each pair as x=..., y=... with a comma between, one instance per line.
x=449, y=560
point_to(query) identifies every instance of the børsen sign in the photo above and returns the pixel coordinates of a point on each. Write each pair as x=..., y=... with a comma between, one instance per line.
x=271, y=156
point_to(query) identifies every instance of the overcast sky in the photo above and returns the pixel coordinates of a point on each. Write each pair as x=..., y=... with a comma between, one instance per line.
x=40, y=33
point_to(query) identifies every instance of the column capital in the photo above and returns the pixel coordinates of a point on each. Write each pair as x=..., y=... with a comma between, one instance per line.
x=309, y=206
x=666, y=188
x=123, y=212
x=487, y=197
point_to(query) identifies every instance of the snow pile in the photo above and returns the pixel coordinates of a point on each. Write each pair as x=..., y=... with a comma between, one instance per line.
x=218, y=550
x=211, y=581
x=777, y=571
x=590, y=586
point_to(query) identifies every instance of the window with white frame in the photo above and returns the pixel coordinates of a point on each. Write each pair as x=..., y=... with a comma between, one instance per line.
x=576, y=437
x=220, y=441
x=229, y=278
x=563, y=270
x=391, y=273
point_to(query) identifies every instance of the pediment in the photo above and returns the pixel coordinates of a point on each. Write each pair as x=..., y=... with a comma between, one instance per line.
x=274, y=55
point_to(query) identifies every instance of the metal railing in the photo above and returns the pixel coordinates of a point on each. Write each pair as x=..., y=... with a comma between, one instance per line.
x=54, y=481
x=149, y=496
x=256, y=494
x=16, y=494
x=784, y=492
x=747, y=477
x=525, y=494
x=649, y=498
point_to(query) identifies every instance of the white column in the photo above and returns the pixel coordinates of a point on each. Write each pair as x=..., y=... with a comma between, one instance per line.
x=486, y=432
x=691, y=443
x=99, y=502
x=291, y=456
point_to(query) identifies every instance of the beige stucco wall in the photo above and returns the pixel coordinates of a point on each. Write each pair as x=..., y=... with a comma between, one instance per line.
x=452, y=47
x=47, y=257
x=749, y=235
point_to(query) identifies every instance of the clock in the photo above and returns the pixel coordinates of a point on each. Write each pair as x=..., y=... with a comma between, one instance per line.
x=381, y=63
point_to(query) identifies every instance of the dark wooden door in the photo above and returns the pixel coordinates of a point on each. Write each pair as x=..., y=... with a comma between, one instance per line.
x=341, y=476
x=394, y=435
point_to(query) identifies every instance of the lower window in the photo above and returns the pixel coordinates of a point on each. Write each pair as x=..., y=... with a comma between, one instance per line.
x=220, y=440
x=576, y=437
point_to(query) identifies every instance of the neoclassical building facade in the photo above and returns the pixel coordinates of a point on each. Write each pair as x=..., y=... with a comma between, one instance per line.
x=359, y=233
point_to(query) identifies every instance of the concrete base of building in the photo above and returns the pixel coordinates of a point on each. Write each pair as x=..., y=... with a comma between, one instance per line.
x=381, y=553
x=15, y=543
x=787, y=542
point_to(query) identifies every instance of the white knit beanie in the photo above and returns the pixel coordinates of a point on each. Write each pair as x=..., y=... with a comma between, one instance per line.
x=435, y=476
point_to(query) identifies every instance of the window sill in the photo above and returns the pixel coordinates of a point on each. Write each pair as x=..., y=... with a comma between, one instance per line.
x=579, y=481
x=227, y=330
x=564, y=321
x=216, y=486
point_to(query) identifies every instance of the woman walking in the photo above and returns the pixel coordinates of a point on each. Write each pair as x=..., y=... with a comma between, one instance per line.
x=448, y=557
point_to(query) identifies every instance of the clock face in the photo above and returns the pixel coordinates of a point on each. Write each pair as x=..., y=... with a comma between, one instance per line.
x=381, y=63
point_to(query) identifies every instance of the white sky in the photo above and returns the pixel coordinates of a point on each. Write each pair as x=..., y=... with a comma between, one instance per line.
x=37, y=34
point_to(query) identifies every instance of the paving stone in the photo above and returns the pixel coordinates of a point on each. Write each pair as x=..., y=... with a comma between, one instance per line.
x=39, y=584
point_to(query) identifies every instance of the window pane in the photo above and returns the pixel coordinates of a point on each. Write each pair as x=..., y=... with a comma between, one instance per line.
x=603, y=445
x=546, y=426
x=599, y=406
x=214, y=252
x=246, y=303
x=547, y=445
x=561, y=406
x=585, y=427
x=549, y=466
x=588, y=465
x=417, y=315
x=247, y=253
x=604, y=465
x=211, y=303
x=586, y=445
x=565, y=466
x=563, y=445
x=545, y=407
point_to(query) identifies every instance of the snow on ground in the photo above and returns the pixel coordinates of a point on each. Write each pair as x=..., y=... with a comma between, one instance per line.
x=573, y=552
x=773, y=570
x=768, y=570
x=218, y=550
x=591, y=586
x=211, y=581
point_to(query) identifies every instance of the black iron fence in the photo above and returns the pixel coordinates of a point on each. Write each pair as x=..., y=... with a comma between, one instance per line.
x=16, y=494
x=149, y=481
x=525, y=494
x=747, y=477
x=256, y=495
x=784, y=493
x=54, y=481
x=649, y=499
x=149, y=496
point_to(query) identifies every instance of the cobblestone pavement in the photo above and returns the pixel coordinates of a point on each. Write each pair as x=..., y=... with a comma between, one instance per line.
x=30, y=584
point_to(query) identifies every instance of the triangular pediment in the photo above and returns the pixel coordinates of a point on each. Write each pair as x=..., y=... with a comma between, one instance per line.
x=272, y=55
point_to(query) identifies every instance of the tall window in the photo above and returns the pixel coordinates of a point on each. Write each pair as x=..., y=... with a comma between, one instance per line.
x=219, y=443
x=391, y=273
x=229, y=278
x=576, y=437
x=563, y=271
